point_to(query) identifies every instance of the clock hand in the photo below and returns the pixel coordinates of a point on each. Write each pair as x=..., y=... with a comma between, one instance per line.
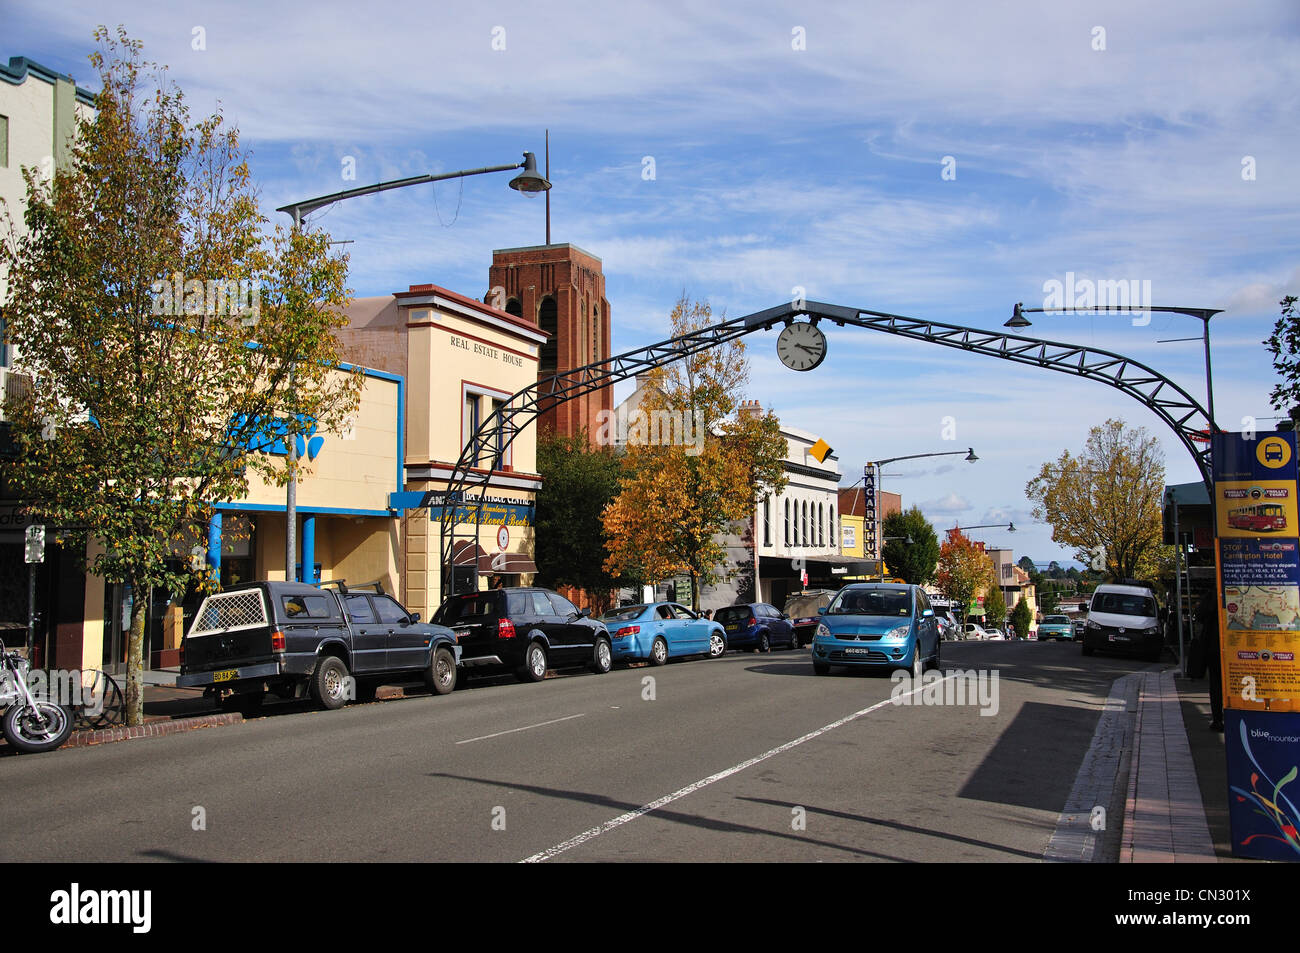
x=805, y=347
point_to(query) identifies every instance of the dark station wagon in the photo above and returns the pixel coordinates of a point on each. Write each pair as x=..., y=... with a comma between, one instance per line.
x=336, y=644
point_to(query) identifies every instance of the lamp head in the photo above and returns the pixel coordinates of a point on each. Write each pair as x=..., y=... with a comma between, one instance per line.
x=970, y=457
x=1018, y=319
x=529, y=180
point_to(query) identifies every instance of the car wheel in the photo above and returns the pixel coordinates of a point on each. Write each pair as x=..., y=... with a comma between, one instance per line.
x=764, y=643
x=820, y=668
x=329, y=683
x=603, y=658
x=659, y=652
x=534, y=669
x=717, y=645
x=917, y=667
x=794, y=639
x=934, y=662
x=440, y=676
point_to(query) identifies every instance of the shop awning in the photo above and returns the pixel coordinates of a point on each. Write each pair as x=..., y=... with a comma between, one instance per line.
x=468, y=553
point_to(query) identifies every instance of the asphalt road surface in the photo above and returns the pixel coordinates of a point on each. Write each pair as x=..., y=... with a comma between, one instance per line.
x=744, y=758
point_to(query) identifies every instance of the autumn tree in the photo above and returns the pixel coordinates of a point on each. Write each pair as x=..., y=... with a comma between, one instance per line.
x=169, y=336
x=679, y=495
x=965, y=570
x=911, y=550
x=1109, y=495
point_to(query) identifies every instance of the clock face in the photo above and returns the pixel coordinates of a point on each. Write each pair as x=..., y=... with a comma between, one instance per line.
x=801, y=346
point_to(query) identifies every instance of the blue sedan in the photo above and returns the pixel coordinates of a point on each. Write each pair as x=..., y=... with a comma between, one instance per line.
x=657, y=631
x=877, y=626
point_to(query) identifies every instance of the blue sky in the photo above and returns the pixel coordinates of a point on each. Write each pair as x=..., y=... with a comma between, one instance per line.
x=777, y=167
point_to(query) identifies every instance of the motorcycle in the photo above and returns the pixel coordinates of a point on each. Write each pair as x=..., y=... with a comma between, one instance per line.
x=29, y=724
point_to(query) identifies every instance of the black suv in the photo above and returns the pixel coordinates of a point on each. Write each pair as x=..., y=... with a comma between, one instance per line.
x=526, y=631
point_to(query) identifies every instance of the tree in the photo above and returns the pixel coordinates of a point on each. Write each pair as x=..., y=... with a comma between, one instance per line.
x=995, y=607
x=1022, y=618
x=1026, y=564
x=677, y=498
x=914, y=554
x=578, y=482
x=1108, y=496
x=965, y=570
x=1284, y=345
x=168, y=338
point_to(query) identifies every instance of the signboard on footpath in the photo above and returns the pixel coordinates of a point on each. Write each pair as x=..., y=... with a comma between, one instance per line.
x=1257, y=560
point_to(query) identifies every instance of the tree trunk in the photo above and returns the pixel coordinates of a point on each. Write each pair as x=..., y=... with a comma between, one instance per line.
x=695, y=593
x=135, y=658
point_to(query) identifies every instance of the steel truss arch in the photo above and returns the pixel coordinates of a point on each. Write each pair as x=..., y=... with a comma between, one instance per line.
x=483, y=453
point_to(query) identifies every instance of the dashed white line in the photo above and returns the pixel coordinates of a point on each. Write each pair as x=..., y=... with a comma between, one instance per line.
x=705, y=782
x=511, y=731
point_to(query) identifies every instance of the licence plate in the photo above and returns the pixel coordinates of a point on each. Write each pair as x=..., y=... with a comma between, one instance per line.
x=227, y=676
x=734, y=627
x=1119, y=638
x=857, y=651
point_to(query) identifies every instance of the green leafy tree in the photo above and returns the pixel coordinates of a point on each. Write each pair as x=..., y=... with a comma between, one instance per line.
x=1284, y=345
x=1022, y=618
x=1110, y=495
x=165, y=334
x=578, y=482
x=914, y=554
x=1026, y=564
x=677, y=500
x=995, y=607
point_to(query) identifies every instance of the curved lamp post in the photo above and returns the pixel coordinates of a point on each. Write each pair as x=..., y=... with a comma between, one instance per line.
x=529, y=180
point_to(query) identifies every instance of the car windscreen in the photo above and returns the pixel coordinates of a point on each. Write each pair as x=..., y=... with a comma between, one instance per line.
x=1122, y=603
x=729, y=614
x=799, y=607
x=879, y=602
x=623, y=613
x=458, y=608
x=1056, y=620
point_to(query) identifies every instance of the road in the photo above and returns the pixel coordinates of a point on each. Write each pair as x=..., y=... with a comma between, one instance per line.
x=744, y=758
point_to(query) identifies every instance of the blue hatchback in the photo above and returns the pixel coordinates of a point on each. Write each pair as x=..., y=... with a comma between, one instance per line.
x=878, y=626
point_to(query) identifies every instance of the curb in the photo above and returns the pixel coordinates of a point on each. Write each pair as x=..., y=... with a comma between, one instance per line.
x=82, y=739
x=1130, y=799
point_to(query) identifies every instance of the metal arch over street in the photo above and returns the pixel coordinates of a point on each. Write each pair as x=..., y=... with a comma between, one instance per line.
x=1184, y=415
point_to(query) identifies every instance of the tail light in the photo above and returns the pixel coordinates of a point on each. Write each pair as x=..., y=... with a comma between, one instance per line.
x=277, y=640
x=626, y=631
x=505, y=629
x=753, y=621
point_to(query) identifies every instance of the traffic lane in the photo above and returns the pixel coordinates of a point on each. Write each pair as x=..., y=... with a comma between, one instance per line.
x=904, y=783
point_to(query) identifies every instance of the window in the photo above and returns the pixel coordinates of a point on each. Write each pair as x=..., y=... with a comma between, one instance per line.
x=514, y=307
x=471, y=419
x=390, y=611
x=499, y=436
x=4, y=142
x=787, y=522
x=563, y=607
x=767, y=521
x=821, y=525
x=834, y=532
x=305, y=607
x=359, y=609
x=548, y=321
x=804, y=534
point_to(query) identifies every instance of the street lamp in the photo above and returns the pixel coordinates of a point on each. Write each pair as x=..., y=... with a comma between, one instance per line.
x=528, y=181
x=1009, y=527
x=866, y=471
x=1018, y=320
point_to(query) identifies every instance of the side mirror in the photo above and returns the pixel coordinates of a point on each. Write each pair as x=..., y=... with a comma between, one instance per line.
x=821, y=610
x=415, y=617
x=583, y=613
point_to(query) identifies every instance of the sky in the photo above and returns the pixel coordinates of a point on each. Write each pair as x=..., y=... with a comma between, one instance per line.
x=940, y=160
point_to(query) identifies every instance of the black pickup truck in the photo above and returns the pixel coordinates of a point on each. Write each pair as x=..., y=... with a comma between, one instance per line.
x=336, y=644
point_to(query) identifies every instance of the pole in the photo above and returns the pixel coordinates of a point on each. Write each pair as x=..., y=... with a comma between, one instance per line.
x=1178, y=585
x=548, y=191
x=291, y=488
x=1209, y=380
x=31, y=609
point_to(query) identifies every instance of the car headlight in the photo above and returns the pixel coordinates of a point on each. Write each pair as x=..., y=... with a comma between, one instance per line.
x=901, y=632
x=822, y=631
x=1092, y=625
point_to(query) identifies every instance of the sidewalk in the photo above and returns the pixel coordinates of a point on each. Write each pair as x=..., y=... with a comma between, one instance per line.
x=1176, y=807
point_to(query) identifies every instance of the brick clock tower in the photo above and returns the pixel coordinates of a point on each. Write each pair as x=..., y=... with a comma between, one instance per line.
x=561, y=289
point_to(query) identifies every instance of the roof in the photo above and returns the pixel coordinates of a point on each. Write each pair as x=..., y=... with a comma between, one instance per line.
x=1188, y=494
x=20, y=67
x=423, y=291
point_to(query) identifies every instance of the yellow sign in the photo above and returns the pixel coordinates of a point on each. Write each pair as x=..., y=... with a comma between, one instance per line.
x=1273, y=452
x=821, y=449
x=1257, y=507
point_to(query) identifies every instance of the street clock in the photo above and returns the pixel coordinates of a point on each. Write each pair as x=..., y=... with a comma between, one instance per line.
x=801, y=346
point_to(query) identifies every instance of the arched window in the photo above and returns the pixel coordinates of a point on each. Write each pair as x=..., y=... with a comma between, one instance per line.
x=548, y=321
x=805, y=522
x=767, y=521
x=515, y=306
x=821, y=525
x=835, y=533
x=787, y=522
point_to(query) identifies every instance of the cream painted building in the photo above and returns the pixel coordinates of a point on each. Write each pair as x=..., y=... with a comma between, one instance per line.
x=462, y=360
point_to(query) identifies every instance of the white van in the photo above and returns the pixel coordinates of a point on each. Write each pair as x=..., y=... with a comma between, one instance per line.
x=1125, y=619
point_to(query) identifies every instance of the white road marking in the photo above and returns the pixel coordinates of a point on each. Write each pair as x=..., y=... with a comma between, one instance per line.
x=511, y=731
x=705, y=782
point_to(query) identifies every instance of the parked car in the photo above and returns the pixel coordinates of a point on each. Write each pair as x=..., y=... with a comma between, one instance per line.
x=973, y=631
x=994, y=634
x=878, y=625
x=1077, y=625
x=1124, y=619
x=658, y=631
x=525, y=631
x=1055, y=628
x=336, y=644
x=803, y=610
x=756, y=626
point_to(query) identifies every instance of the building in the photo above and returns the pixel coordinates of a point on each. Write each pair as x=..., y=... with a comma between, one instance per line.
x=462, y=360
x=559, y=289
x=853, y=502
